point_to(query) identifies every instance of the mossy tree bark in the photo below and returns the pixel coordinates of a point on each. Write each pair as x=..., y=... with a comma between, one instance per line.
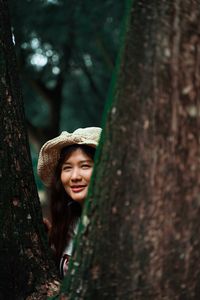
x=24, y=258
x=143, y=237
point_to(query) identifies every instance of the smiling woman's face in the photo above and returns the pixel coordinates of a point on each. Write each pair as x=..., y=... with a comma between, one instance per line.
x=75, y=175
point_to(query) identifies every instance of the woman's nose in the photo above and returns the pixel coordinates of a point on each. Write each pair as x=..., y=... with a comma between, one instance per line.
x=75, y=174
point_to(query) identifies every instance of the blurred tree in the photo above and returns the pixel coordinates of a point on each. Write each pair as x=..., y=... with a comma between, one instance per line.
x=66, y=52
x=143, y=237
x=26, y=264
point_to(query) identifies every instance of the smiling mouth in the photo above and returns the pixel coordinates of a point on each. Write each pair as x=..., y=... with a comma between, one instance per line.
x=77, y=189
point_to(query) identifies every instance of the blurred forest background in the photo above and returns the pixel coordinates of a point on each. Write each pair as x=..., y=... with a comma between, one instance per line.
x=66, y=52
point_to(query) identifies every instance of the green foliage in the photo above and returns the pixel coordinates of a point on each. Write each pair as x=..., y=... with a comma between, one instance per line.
x=72, y=42
x=75, y=40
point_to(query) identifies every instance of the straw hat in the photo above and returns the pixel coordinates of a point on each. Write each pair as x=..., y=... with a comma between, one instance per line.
x=50, y=151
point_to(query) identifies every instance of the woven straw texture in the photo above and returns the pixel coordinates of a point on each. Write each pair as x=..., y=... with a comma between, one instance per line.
x=50, y=151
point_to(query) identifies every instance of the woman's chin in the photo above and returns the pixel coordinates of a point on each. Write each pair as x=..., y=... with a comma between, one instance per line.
x=79, y=198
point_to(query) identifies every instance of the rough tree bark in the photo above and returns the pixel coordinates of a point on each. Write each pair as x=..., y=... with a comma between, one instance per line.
x=25, y=263
x=143, y=237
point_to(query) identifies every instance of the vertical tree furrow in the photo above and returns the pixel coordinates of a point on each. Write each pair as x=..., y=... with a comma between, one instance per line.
x=24, y=252
x=145, y=240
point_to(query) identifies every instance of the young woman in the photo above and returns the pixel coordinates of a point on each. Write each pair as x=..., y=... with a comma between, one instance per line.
x=65, y=165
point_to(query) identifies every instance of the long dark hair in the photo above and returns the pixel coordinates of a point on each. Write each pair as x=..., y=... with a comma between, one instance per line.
x=65, y=212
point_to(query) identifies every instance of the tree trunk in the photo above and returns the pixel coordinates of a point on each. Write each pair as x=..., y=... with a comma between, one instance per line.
x=24, y=258
x=143, y=237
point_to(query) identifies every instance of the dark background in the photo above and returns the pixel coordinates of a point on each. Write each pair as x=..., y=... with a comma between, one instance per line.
x=66, y=52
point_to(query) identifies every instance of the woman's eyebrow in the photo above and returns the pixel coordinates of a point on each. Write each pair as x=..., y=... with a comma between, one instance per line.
x=66, y=163
x=81, y=161
x=86, y=160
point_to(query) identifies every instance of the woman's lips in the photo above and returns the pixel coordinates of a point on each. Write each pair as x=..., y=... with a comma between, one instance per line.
x=77, y=189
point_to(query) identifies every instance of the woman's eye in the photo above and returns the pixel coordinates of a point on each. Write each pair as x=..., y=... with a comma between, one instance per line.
x=85, y=166
x=66, y=168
